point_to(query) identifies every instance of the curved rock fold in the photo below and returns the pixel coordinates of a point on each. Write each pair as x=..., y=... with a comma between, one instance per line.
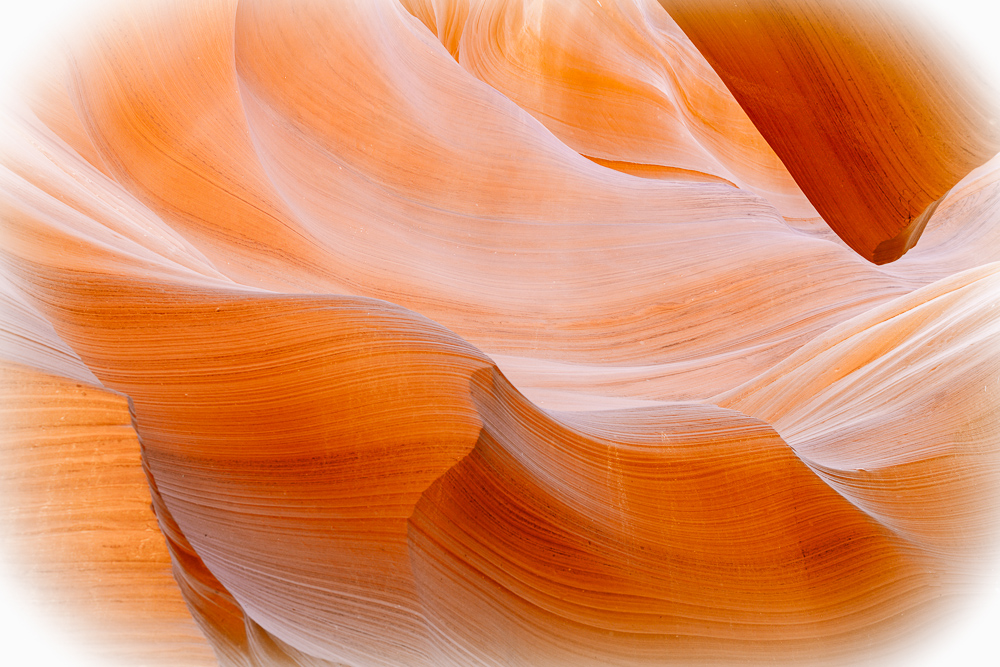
x=475, y=332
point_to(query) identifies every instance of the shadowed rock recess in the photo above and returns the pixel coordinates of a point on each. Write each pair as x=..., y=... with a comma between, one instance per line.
x=421, y=333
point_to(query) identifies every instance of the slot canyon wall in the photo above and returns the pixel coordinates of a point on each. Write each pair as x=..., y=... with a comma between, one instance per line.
x=500, y=332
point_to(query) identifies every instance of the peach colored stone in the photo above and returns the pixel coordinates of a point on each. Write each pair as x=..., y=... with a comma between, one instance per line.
x=486, y=333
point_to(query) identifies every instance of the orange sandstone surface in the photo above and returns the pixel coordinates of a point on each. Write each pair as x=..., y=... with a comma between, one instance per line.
x=857, y=101
x=482, y=332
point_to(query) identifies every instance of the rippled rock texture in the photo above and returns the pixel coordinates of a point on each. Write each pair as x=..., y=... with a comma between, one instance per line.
x=474, y=332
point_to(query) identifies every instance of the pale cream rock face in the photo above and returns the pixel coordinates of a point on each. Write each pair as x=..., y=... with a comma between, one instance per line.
x=499, y=333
